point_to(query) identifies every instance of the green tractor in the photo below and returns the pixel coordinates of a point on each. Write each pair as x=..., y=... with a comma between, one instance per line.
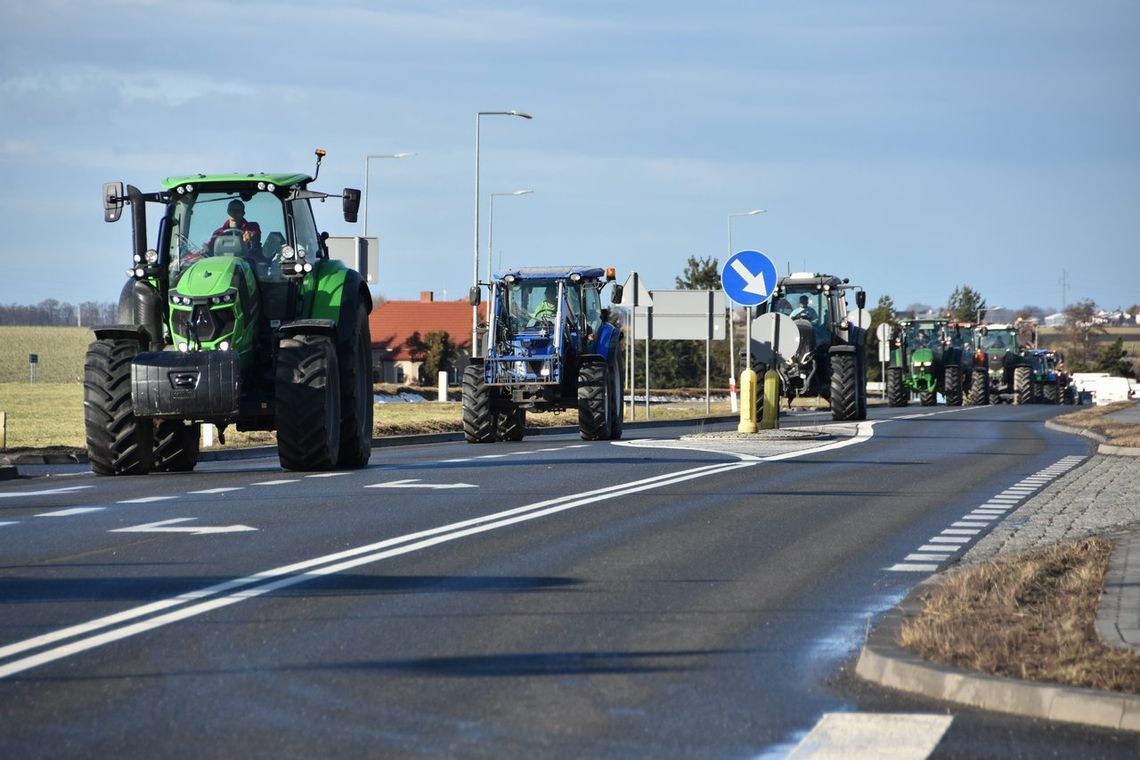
x=1009, y=375
x=238, y=317
x=928, y=357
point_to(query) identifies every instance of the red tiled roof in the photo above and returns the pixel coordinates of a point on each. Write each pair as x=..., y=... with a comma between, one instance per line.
x=392, y=323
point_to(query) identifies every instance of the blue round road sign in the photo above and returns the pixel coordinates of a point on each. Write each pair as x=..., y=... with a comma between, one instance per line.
x=748, y=278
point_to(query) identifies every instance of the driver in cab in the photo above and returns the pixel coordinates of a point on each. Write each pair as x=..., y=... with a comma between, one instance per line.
x=236, y=224
x=805, y=311
x=546, y=311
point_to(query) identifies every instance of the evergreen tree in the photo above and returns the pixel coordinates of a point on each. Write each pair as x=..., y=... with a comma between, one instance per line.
x=966, y=305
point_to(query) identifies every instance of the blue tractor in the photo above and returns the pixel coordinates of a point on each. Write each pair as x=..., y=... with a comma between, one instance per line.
x=549, y=346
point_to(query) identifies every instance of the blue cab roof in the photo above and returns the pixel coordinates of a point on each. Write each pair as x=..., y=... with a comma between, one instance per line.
x=551, y=273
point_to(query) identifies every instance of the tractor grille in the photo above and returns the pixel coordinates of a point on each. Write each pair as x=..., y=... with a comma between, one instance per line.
x=206, y=324
x=524, y=371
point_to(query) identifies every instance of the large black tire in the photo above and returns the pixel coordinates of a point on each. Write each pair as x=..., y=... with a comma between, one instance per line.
x=1068, y=395
x=616, y=399
x=927, y=398
x=952, y=386
x=897, y=393
x=1051, y=393
x=592, y=400
x=1022, y=385
x=844, y=388
x=1038, y=392
x=354, y=361
x=176, y=446
x=308, y=403
x=979, y=387
x=478, y=417
x=118, y=443
x=510, y=423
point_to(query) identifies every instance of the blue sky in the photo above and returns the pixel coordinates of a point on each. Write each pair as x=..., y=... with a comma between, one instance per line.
x=911, y=146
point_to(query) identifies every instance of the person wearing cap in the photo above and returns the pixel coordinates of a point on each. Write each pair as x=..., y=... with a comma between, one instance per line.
x=250, y=231
x=805, y=311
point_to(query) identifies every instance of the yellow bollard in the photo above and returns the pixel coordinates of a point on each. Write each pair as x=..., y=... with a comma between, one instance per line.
x=771, y=417
x=747, y=402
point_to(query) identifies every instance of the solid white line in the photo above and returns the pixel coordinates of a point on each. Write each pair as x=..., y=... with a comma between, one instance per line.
x=146, y=500
x=303, y=571
x=70, y=512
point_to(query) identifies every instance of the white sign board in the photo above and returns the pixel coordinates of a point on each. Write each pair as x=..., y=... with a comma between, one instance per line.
x=683, y=315
x=359, y=253
x=883, y=333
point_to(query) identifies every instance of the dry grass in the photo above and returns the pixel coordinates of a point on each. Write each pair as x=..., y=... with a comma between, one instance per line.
x=42, y=415
x=1095, y=418
x=60, y=351
x=1030, y=616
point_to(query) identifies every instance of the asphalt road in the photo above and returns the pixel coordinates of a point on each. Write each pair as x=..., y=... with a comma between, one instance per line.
x=550, y=597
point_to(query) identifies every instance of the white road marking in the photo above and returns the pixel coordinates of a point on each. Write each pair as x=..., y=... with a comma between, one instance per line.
x=168, y=526
x=45, y=492
x=461, y=459
x=70, y=512
x=327, y=474
x=146, y=499
x=222, y=489
x=872, y=736
x=300, y=572
x=961, y=531
x=926, y=557
x=910, y=567
x=948, y=540
x=281, y=482
x=9, y=522
x=968, y=524
x=415, y=483
x=939, y=548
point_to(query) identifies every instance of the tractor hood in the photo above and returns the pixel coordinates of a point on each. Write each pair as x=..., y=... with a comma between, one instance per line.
x=213, y=276
x=921, y=357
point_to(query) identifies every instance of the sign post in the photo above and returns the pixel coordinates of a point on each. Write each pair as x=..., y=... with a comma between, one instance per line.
x=883, y=333
x=748, y=278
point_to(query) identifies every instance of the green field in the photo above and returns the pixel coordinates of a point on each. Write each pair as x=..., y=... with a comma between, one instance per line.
x=60, y=351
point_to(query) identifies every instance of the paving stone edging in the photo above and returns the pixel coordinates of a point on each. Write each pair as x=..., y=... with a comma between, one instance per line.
x=886, y=663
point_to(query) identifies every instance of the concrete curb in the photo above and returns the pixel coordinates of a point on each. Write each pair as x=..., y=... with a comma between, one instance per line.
x=884, y=662
x=1104, y=447
x=1118, y=616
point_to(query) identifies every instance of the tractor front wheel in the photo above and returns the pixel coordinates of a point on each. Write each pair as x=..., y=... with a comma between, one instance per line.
x=176, y=446
x=979, y=388
x=118, y=442
x=1022, y=385
x=1051, y=393
x=952, y=386
x=592, y=402
x=510, y=423
x=844, y=388
x=897, y=393
x=308, y=403
x=478, y=417
x=355, y=365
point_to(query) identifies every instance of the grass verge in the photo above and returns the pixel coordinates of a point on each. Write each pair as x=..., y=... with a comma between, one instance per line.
x=1095, y=419
x=1029, y=616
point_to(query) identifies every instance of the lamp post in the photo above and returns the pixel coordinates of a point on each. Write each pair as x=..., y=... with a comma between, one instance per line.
x=366, y=160
x=491, y=227
x=475, y=259
x=731, y=322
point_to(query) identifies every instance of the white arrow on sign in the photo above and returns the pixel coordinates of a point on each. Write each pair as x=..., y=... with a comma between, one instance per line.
x=168, y=526
x=415, y=483
x=753, y=283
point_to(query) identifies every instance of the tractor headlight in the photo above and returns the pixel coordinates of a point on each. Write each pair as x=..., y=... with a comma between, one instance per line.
x=151, y=256
x=224, y=345
x=183, y=347
x=545, y=372
x=287, y=253
x=140, y=272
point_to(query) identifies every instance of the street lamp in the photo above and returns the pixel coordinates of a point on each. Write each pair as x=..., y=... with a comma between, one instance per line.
x=475, y=262
x=731, y=322
x=491, y=227
x=366, y=160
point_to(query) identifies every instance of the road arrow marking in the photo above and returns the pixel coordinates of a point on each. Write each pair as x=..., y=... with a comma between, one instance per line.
x=168, y=526
x=415, y=483
x=753, y=283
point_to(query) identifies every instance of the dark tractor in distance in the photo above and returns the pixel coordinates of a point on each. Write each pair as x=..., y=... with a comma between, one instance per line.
x=831, y=358
x=1050, y=385
x=549, y=346
x=928, y=357
x=1008, y=372
x=235, y=317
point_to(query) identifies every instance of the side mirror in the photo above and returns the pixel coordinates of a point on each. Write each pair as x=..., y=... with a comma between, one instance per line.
x=351, y=204
x=861, y=299
x=616, y=293
x=475, y=295
x=113, y=193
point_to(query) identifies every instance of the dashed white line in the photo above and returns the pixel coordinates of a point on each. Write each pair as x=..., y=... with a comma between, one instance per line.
x=146, y=499
x=221, y=489
x=926, y=557
x=948, y=540
x=327, y=474
x=282, y=482
x=71, y=511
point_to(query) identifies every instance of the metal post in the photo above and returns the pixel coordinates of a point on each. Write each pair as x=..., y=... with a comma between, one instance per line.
x=708, y=358
x=475, y=261
x=648, y=335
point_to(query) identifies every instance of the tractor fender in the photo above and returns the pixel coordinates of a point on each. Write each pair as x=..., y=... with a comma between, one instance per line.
x=339, y=293
x=325, y=327
x=607, y=340
x=140, y=304
x=842, y=349
x=137, y=333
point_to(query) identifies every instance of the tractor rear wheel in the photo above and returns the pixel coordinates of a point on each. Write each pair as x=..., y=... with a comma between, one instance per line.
x=844, y=387
x=952, y=386
x=979, y=388
x=478, y=417
x=510, y=423
x=355, y=365
x=1051, y=393
x=308, y=403
x=176, y=445
x=927, y=398
x=897, y=393
x=593, y=392
x=118, y=442
x=1022, y=385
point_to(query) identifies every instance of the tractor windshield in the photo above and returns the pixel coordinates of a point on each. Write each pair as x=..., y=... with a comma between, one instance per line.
x=227, y=224
x=532, y=304
x=922, y=334
x=804, y=303
x=994, y=341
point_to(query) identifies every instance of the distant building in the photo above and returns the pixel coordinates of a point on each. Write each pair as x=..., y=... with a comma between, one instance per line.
x=394, y=324
x=1055, y=320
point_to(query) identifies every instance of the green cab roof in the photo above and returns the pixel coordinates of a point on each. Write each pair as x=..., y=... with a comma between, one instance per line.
x=279, y=179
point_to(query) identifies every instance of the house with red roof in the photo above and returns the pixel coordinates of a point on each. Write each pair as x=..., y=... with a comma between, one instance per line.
x=398, y=326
